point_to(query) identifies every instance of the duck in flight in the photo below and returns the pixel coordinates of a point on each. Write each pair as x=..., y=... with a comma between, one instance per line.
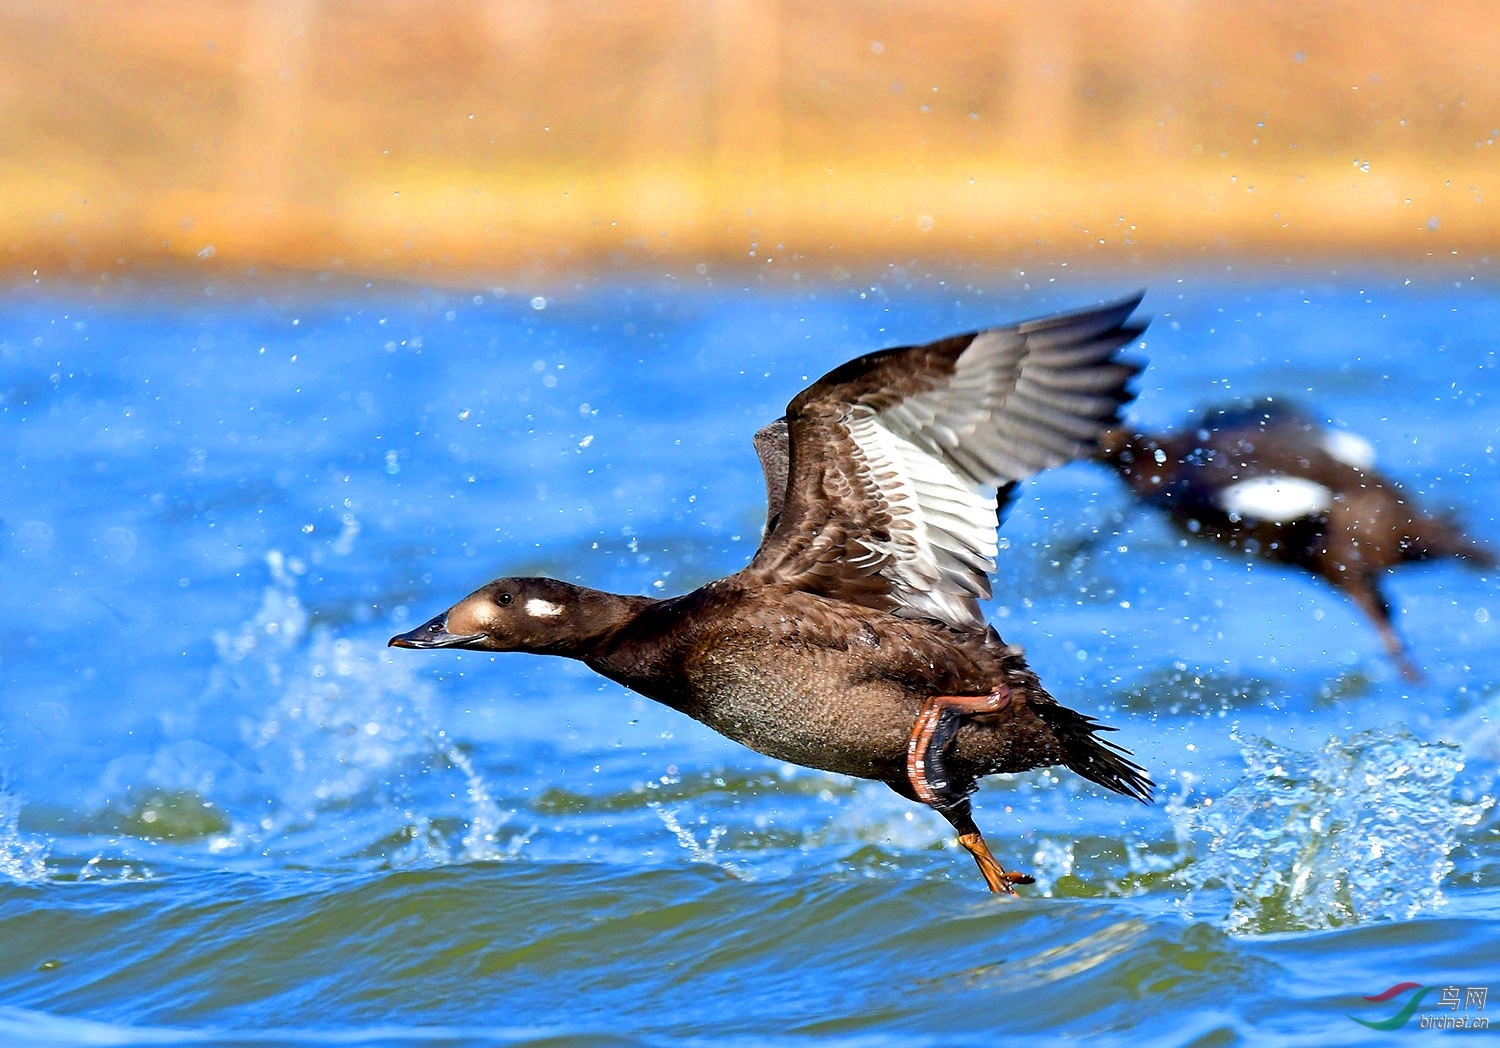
x=854, y=641
x=1265, y=478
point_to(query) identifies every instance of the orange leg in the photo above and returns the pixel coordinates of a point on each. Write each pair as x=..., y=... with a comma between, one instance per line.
x=995, y=875
x=936, y=725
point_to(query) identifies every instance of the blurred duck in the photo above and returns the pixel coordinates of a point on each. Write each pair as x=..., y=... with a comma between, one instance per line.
x=854, y=641
x=1265, y=478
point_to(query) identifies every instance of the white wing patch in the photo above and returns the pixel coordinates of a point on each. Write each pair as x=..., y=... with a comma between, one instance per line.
x=543, y=609
x=942, y=545
x=1278, y=499
x=1348, y=448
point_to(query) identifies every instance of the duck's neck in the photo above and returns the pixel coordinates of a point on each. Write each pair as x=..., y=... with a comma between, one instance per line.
x=597, y=618
x=646, y=652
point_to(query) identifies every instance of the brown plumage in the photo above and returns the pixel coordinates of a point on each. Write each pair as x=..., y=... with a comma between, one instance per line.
x=1265, y=478
x=853, y=642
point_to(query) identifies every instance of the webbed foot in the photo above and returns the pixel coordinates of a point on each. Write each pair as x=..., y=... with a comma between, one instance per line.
x=996, y=876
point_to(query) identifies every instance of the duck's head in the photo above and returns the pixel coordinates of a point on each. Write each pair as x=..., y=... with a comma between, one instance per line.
x=525, y=614
x=1117, y=445
x=1137, y=456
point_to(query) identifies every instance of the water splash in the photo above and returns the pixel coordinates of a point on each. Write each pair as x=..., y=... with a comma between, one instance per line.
x=705, y=851
x=482, y=841
x=22, y=858
x=344, y=724
x=1359, y=830
x=1050, y=862
x=352, y=730
x=1479, y=728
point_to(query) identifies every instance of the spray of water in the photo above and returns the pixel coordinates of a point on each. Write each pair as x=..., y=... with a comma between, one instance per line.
x=704, y=851
x=1358, y=830
x=352, y=731
x=22, y=858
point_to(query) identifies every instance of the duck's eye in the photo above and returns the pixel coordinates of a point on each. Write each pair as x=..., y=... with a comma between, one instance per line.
x=505, y=598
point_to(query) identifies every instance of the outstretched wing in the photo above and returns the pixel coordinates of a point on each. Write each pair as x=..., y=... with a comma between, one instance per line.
x=895, y=458
x=1257, y=413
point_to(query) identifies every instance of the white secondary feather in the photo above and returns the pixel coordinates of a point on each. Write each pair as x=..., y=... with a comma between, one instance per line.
x=937, y=458
x=942, y=538
x=1278, y=499
x=1348, y=448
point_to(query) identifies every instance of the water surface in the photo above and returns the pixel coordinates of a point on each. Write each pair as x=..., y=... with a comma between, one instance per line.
x=231, y=815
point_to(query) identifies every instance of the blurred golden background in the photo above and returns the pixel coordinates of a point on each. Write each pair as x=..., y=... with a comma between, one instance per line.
x=457, y=139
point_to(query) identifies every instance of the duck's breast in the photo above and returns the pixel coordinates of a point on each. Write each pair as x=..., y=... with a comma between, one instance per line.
x=801, y=702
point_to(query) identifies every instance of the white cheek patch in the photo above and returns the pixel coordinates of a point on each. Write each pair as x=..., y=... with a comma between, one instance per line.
x=1348, y=448
x=543, y=609
x=1278, y=499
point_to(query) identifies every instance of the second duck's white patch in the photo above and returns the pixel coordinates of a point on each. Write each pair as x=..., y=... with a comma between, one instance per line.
x=1349, y=448
x=543, y=609
x=1275, y=498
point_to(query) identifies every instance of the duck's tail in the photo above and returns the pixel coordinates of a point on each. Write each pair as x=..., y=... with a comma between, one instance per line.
x=1092, y=757
x=1440, y=535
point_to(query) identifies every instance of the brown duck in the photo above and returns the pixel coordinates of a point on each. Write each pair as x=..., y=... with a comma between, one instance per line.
x=854, y=641
x=1265, y=478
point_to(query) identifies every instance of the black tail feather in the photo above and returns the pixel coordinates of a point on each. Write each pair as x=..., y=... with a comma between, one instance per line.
x=1092, y=757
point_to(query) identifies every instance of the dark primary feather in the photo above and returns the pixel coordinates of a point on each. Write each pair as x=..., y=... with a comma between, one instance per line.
x=895, y=459
x=771, y=444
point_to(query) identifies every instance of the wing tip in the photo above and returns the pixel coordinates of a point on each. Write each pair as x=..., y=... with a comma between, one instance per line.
x=1110, y=315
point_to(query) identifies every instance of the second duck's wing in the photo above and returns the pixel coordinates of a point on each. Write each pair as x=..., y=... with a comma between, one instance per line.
x=894, y=459
x=1292, y=425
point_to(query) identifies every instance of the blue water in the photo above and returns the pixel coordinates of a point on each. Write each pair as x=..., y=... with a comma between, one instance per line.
x=229, y=814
